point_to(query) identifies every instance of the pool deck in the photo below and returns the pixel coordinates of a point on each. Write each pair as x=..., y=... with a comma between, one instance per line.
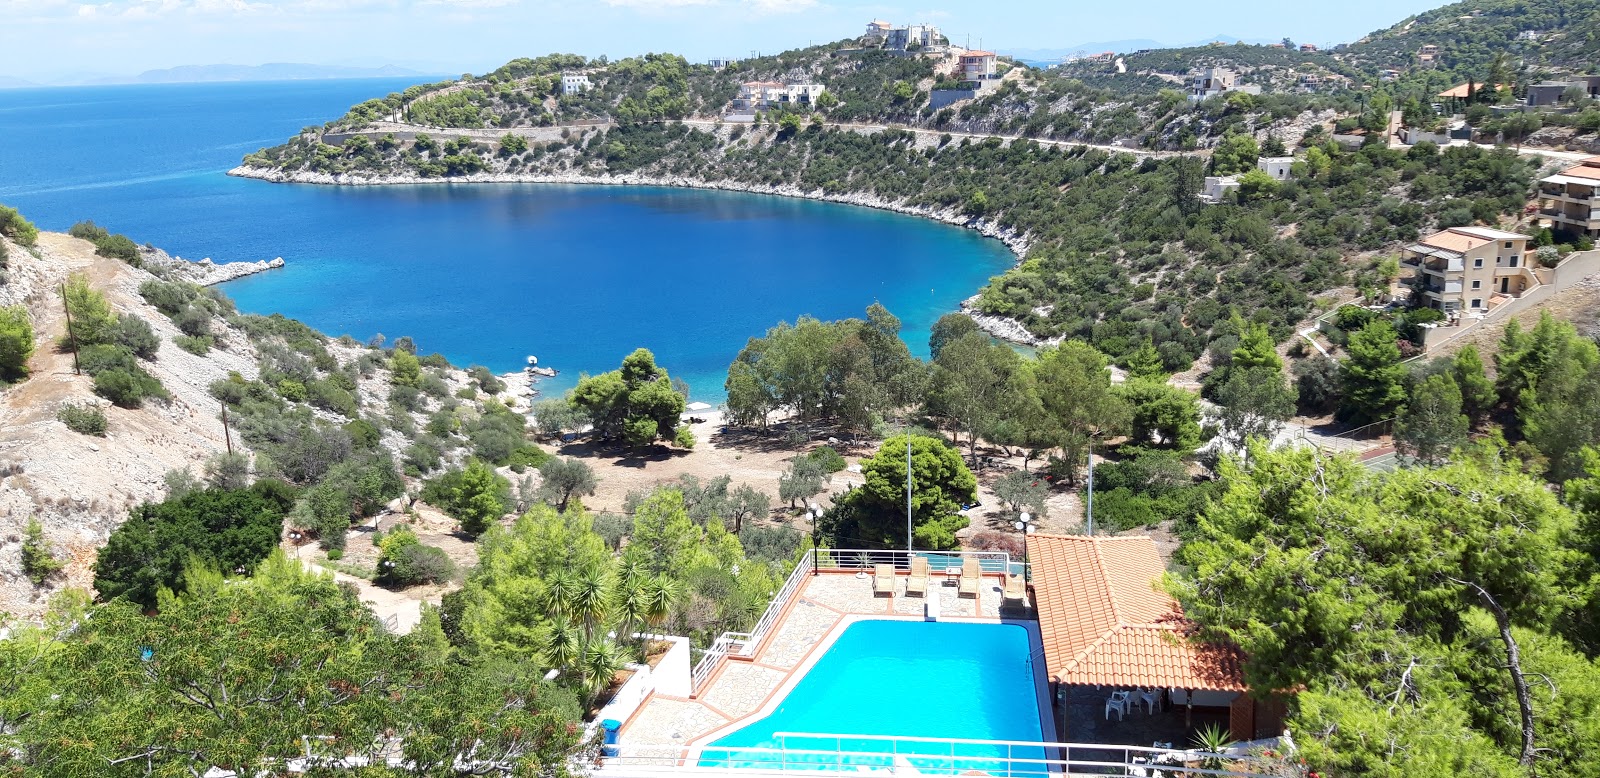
x=740, y=690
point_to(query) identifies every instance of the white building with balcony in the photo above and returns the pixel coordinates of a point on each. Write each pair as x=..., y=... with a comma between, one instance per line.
x=1570, y=200
x=575, y=83
x=1211, y=82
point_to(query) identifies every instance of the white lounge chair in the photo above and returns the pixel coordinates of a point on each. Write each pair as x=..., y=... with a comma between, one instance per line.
x=1151, y=698
x=883, y=580
x=971, y=576
x=917, y=582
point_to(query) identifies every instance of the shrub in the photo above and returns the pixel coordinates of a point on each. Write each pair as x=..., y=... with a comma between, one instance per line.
x=168, y=297
x=16, y=342
x=83, y=419
x=38, y=562
x=194, y=322
x=404, y=560
x=135, y=334
x=476, y=496
x=486, y=380
x=128, y=388
x=828, y=459
x=335, y=554
x=13, y=226
x=197, y=345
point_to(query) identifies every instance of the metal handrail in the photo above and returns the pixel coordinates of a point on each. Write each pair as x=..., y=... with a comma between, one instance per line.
x=989, y=562
x=935, y=756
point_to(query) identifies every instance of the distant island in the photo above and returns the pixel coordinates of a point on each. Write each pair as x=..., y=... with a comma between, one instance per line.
x=196, y=74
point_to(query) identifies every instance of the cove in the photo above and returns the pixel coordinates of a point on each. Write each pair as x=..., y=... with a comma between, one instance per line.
x=483, y=273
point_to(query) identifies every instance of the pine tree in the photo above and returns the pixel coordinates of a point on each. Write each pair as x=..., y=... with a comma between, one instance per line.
x=1372, y=376
x=1477, y=391
x=1432, y=423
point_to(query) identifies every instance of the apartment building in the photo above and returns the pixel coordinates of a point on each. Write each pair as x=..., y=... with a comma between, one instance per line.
x=1570, y=200
x=1464, y=269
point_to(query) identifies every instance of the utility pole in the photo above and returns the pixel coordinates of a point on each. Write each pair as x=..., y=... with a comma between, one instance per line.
x=1089, y=512
x=226, y=436
x=908, y=489
x=72, y=337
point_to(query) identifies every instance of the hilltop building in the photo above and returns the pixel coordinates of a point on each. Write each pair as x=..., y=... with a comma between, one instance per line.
x=758, y=95
x=1462, y=269
x=1216, y=187
x=1428, y=54
x=1571, y=199
x=877, y=29
x=1308, y=48
x=1211, y=82
x=575, y=83
x=916, y=36
x=977, y=67
x=721, y=63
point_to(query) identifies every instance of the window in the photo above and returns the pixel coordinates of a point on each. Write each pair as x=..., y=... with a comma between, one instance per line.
x=1477, y=262
x=1508, y=244
x=1511, y=261
x=1477, y=284
x=1477, y=302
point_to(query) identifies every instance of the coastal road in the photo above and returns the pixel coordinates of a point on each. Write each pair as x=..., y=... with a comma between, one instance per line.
x=926, y=137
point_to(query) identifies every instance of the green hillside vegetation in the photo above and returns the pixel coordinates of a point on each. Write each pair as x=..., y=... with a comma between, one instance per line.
x=1471, y=34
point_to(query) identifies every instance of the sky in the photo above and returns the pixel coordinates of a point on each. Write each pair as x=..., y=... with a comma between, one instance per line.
x=51, y=39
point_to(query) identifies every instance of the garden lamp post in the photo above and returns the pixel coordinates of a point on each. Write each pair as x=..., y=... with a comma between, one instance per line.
x=815, y=512
x=294, y=537
x=1024, y=524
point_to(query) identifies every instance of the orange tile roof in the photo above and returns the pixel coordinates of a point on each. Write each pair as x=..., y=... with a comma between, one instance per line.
x=1451, y=240
x=1106, y=621
x=1589, y=168
x=1461, y=90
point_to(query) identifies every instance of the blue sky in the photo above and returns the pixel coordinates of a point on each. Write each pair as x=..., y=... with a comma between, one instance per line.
x=50, y=38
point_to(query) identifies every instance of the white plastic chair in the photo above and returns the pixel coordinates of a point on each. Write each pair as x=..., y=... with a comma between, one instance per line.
x=1118, y=701
x=1151, y=698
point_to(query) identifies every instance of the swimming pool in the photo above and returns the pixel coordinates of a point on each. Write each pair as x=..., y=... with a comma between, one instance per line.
x=902, y=679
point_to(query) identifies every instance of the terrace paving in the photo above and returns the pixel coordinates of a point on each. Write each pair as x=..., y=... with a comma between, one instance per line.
x=740, y=688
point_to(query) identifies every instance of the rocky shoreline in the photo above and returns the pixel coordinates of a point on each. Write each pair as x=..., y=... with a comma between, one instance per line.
x=205, y=272
x=1001, y=327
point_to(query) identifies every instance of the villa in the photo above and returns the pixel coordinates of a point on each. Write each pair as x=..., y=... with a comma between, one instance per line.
x=574, y=83
x=1470, y=270
x=757, y=95
x=915, y=36
x=948, y=663
x=878, y=29
x=1217, y=187
x=1428, y=54
x=1211, y=82
x=977, y=67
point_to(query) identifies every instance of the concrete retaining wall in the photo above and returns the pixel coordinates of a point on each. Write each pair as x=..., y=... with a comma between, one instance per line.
x=1576, y=267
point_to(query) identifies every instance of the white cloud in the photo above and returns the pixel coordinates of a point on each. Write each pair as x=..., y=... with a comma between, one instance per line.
x=759, y=6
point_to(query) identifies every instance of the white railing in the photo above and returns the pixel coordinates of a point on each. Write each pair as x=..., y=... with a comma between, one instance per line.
x=746, y=644
x=989, y=562
x=826, y=753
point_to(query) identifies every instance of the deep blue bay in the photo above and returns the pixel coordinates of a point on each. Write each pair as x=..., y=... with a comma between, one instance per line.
x=578, y=275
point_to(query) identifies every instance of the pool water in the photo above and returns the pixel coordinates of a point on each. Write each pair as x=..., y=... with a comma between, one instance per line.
x=903, y=679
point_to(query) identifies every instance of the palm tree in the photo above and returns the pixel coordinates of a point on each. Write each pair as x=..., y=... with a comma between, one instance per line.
x=557, y=596
x=562, y=647
x=590, y=601
x=602, y=659
x=660, y=593
x=630, y=601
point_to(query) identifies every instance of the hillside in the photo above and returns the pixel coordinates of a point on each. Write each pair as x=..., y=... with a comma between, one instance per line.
x=290, y=416
x=1558, y=34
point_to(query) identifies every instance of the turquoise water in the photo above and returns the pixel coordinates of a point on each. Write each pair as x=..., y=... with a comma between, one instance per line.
x=905, y=679
x=487, y=274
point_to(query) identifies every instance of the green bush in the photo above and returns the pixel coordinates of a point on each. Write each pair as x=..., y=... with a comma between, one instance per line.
x=16, y=342
x=83, y=419
x=18, y=229
x=335, y=554
x=828, y=459
x=38, y=562
x=128, y=388
x=135, y=334
x=526, y=456
x=199, y=346
x=403, y=560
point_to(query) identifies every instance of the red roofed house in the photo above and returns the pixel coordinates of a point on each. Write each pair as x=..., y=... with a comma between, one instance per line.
x=1108, y=625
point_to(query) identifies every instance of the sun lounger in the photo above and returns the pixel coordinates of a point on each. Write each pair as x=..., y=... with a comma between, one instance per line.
x=883, y=580
x=1016, y=589
x=917, y=583
x=971, y=575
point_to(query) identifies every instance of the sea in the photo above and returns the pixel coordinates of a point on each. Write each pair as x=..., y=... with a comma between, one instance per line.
x=490, y=274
